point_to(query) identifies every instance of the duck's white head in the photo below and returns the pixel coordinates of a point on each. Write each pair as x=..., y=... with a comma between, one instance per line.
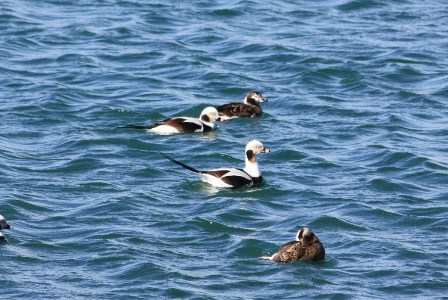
x=254, y=97
x=209, y=115
x=253, y=148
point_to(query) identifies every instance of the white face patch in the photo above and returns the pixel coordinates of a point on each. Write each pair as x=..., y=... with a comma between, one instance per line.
x=213, y=116
x=258, y=98
x=255, y=146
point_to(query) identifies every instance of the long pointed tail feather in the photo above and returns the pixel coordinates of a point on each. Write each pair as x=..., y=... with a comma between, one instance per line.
x=137, y=126
x=179, y=163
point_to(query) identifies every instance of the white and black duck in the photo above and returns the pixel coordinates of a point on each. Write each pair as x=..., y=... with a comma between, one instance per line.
x=175, y=125
x=233, y=177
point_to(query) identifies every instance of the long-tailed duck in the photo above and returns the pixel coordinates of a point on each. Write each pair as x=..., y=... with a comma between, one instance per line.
x=2, y=237
x=250, y=107
x=183, y=124
x=4, y=224
x=306, y=247
x=232, y=177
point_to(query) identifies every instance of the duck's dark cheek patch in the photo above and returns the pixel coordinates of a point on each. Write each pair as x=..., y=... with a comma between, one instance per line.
x=252, y=101
x=205, y=118
x=249, y=155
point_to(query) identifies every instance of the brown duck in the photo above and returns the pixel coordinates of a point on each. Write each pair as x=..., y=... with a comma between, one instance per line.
x=250, y=107
x=306, y=247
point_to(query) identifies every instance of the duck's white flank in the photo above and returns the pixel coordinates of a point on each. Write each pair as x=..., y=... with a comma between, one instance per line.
x=168, y=129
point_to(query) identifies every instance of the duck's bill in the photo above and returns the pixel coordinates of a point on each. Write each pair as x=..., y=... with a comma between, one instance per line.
x=265, y=150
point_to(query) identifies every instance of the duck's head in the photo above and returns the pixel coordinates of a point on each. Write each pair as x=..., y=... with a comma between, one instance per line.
x=253, y=148
x=4, y=224
x=254, y=98
x=305, y=235
x=209, y=115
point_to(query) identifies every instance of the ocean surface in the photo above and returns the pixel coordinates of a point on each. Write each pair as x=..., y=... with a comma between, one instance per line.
x=357, y=121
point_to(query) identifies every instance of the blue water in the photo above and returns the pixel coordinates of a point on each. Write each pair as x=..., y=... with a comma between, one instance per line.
x=357, y=121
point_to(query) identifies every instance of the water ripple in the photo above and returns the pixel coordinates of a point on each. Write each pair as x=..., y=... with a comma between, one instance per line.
x=356, y=121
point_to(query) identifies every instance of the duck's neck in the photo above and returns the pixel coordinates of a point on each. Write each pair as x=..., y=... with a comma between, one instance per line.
x=252, y=166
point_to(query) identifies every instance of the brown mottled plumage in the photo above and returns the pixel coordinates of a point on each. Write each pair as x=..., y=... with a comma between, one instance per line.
x=250, y=107
x=306, y=247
